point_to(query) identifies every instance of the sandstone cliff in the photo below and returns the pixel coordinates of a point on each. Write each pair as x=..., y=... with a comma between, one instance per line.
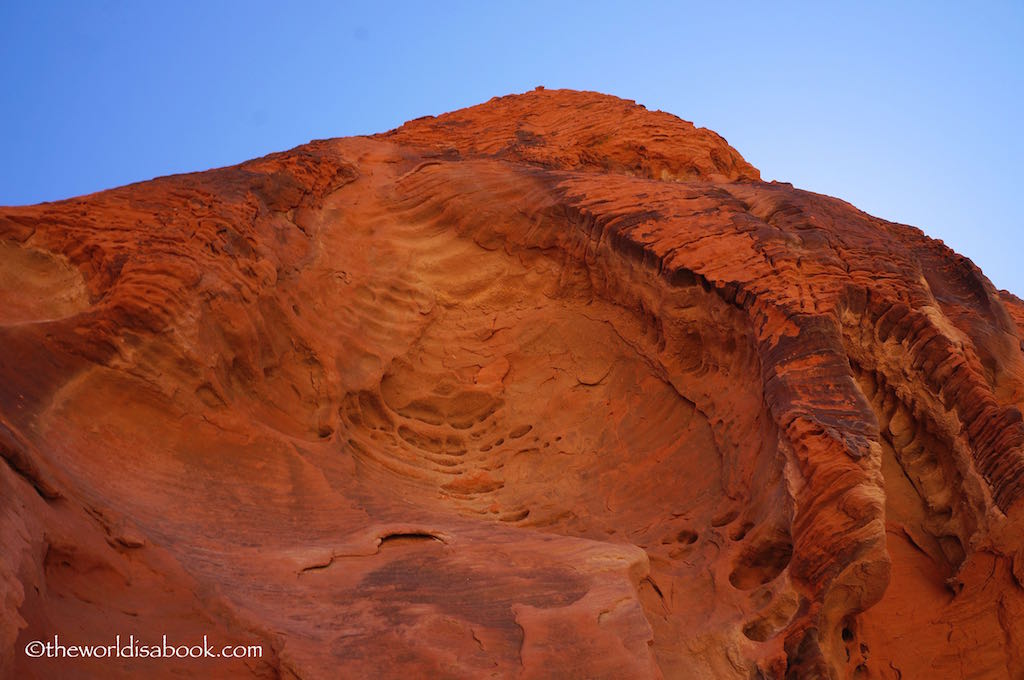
x=554, y=386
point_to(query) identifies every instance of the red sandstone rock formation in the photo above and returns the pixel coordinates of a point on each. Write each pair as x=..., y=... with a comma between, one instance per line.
x=554, y=386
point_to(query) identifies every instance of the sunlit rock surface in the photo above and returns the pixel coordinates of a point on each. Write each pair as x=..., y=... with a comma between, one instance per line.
x=550, y=387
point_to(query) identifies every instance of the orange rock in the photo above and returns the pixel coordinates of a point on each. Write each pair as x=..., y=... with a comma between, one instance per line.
x=554, y=386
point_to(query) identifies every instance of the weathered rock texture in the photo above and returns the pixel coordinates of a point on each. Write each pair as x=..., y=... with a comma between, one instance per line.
x=554, y=386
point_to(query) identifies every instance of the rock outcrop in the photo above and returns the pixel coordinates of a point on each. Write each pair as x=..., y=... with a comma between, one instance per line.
x=553, y=386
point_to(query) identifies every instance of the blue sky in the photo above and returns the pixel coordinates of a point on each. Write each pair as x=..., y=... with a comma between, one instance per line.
x=910, y=111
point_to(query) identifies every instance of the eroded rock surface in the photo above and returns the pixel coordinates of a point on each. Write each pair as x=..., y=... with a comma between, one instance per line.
x=554, y=386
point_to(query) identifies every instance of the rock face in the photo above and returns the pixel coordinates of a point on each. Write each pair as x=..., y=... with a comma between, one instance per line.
x=554, y=386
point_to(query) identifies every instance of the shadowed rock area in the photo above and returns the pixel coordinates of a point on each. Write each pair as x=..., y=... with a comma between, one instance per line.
x=553, y=386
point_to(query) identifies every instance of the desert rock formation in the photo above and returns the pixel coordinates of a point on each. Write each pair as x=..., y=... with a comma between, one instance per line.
x=553, y=386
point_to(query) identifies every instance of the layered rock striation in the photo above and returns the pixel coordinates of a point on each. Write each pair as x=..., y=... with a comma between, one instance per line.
x=553, y=386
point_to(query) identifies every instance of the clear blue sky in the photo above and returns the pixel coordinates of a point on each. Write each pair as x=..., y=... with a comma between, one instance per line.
x=912, y=113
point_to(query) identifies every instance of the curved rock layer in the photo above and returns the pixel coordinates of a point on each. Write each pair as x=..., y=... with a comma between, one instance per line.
x=554, y=386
